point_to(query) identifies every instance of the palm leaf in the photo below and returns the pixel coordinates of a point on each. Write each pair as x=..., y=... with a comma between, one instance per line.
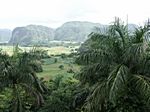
x=142, y=85
x=135, y=53
x=94, y=73
x=96, y=102
x=117, y=81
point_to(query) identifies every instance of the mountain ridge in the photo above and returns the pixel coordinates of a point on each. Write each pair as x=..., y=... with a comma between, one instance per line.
x=70, y=31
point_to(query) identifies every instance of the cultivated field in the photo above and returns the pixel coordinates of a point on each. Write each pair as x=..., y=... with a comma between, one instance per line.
x=51, y=50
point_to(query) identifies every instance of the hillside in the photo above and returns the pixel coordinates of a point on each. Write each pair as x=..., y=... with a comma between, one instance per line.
x=5, y=35
x=32, y=34
x=75, y=31
x=36, y=34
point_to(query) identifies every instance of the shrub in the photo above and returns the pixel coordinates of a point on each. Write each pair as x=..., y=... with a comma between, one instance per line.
x=70, y=71
x=61, y=67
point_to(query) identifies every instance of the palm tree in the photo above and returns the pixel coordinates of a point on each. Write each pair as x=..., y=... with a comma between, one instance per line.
x=116, y=67
x=18, y=75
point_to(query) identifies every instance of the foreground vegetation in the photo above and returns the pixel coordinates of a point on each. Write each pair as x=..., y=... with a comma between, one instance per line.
x=117, y=70
x=112, y=75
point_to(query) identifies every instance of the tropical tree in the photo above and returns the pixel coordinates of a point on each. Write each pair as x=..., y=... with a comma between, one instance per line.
x=61, y=94
x=116, y=68
x=18, y=75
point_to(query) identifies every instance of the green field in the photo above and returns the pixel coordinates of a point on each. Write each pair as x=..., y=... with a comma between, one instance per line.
x=51, y=69
x=51, y=50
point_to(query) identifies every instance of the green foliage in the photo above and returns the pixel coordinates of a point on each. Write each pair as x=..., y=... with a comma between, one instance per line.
x=18, y=75
x=70, y=71
x=63, y=55
x=39, y=53
x=114, y=75
x=61, y=67
x=116, y=69
x=61, y=95
x=5, y=97
x=55, y=60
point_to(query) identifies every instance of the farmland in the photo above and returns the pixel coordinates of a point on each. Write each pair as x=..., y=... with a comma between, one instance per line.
x=51, y=50
x=50, y=67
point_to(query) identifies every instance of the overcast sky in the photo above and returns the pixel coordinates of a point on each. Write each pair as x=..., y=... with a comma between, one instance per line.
x=54, y=13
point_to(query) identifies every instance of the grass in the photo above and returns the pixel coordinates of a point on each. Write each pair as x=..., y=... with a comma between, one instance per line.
x=51, y=69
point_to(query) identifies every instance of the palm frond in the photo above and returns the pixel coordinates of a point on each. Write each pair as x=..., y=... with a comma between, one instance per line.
x=135, y=53
x=96, y=102
x=142, y=85
x=94, y=73
x=119, y=30
x=96, y=55
x=141, y=34
x=117, y=81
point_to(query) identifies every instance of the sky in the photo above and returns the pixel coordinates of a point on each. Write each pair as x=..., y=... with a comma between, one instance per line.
x=53, y=13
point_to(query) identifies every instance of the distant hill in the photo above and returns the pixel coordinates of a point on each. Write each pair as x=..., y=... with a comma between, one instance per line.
x=75, y=31
x=132, y=27
x=5, y=35
x=78, y=31
x=32, y=34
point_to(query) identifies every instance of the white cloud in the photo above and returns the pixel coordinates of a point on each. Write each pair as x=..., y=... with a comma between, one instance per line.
x=55, y=12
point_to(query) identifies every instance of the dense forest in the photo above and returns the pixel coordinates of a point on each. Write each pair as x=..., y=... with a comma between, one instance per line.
x=113, y=75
